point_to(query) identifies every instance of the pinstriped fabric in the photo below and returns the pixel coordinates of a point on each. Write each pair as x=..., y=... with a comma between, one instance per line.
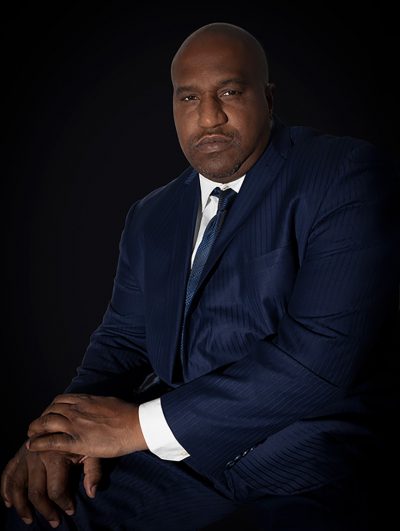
x=312, y=274
x=149, y=494
x=288, y=318
x=283, y=472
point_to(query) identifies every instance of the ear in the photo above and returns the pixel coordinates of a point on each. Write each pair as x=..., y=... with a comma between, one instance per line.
x=269, y=94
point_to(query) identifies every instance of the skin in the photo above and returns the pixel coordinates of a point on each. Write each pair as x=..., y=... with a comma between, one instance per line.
x=88, y=425
x=74, y=429
x=41, y=480
x=222, y=101
x=222, y=105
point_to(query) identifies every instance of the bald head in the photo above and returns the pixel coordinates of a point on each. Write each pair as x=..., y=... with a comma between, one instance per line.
x=223, y=32
x=222, y=100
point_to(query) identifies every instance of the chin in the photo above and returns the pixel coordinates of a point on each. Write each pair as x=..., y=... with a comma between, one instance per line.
x=217, y=172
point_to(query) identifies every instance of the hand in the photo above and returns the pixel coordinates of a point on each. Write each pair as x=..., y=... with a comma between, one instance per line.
x=41, y=480
x=89, y=425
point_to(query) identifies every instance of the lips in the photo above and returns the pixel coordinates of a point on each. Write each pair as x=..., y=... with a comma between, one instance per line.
x=212, y=143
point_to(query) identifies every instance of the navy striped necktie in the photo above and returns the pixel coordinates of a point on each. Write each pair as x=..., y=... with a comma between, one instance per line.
x=226, y=198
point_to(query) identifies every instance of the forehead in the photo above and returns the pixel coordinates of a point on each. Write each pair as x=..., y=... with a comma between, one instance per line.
x=212, y=58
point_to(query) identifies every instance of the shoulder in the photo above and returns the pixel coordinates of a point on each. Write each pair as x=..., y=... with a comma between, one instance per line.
x=318, y=160
x=312, y=145
x=161, y=199
x=169, y=190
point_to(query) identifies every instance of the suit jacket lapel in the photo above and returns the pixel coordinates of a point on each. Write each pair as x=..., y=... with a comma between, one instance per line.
x=254, y=187
x=185, y=221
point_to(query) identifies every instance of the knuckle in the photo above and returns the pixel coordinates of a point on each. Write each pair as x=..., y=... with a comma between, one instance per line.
x=34, y=458
x=35, y=494
x=50, y=441
x=10, y=482
x=11, y=467
x=44, y=419
x=49, y=459
x=13, y=484
x=55, y=493
x=84, y=398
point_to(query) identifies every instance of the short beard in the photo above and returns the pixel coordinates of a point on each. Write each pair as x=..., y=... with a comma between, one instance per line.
x=219, y=176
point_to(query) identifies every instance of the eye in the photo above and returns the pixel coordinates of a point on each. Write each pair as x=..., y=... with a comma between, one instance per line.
x=191, y=97
x=231, y=92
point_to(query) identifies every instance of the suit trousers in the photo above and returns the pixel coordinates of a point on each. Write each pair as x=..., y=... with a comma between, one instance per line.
x=142, y=492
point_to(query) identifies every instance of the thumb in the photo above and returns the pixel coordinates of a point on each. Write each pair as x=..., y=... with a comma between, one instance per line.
x=92, y=475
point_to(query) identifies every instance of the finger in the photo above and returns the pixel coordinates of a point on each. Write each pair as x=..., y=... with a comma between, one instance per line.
x=63, y=403
x=71, y=398
x=58, y=469
x=5, y=482
x=92, y=475
x=67, y=406
x=62, y=408
x=14, y=491
x=49, y=423
x=37, y=492
x=55, y=442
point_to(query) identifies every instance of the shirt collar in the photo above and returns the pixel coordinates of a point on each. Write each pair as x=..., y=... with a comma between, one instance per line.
x=207, y=186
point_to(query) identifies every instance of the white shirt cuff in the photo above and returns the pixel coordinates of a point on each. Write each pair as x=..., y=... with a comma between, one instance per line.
x=157, y=434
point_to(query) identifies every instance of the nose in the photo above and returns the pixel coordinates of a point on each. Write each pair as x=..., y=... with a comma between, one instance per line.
x=211, y=113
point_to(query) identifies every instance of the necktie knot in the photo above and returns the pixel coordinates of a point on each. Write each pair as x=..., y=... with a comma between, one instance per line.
x=225, y=197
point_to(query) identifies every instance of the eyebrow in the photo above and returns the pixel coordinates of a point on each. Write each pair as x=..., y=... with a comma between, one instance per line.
x=193, y=88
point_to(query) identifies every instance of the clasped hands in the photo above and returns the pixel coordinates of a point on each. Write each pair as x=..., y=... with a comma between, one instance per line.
x=75, y=428
x=87, y=425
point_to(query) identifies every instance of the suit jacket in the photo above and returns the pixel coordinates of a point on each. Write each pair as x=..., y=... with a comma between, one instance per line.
x=285, y=335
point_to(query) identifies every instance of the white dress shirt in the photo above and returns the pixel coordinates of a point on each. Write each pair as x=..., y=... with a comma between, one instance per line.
x=156, y=432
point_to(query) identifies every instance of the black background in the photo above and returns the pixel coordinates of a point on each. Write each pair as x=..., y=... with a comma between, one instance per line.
x=88, y=129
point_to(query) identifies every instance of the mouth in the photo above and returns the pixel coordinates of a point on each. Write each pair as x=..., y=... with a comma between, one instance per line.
x=212, y=143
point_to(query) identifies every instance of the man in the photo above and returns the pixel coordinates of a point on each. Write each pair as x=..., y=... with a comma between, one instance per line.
x=251, y=305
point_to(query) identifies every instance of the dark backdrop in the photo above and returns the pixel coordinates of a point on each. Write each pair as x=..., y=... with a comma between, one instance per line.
x=88, y=129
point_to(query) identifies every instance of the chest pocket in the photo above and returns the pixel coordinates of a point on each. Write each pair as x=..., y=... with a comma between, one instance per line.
x=281, y=257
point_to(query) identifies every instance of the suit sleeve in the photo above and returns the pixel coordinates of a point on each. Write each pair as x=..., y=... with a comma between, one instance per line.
x=115, y=361
x=346, y=284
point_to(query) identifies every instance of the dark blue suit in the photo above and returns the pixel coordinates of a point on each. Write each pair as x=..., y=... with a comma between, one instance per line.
x=285, y=335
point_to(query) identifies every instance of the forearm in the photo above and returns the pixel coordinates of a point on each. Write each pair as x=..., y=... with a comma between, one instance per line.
x=228, y=411
x=115, y=362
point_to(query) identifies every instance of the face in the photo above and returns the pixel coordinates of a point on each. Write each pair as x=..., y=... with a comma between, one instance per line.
x=222, y=106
